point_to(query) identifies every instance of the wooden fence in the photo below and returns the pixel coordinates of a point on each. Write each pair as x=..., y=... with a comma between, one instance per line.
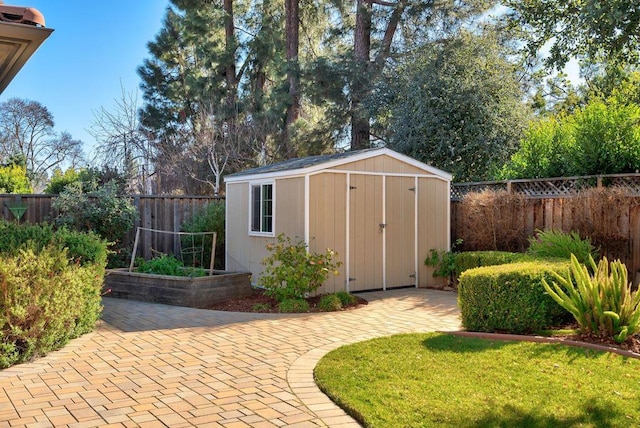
x=154, y=212
x=616, y=226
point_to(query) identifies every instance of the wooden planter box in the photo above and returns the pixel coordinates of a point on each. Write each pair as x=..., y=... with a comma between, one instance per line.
x=198, y=292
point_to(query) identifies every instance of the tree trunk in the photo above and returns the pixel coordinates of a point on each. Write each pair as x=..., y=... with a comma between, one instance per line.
x=362, y=50
x=230, y=47
x=292, y=9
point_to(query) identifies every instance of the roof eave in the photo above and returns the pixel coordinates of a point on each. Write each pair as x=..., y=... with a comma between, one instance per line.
x=17, y=43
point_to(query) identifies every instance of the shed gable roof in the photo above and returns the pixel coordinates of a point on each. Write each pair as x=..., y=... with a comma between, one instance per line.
x=314, y=163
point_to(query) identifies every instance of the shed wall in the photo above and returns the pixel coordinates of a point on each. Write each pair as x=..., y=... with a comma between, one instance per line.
x=245, y=252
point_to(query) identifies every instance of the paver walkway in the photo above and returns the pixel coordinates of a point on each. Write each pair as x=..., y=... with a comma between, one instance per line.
x=152, y=365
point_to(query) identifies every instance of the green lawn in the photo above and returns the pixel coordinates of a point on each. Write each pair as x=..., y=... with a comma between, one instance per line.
x=424, y=380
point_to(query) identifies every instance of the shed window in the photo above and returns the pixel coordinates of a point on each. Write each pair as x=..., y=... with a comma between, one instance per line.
x=262, y=208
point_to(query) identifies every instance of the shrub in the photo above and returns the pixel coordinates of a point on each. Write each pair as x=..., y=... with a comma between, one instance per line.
x=473, y=259
x=557, y=244
x=45, y=300
x=102, y=211
x=210, y=218
x=330, y=303
x=84, y=248
x=346, y=298
x=293, y=306
x=444, y=262
x=602, y=303
x=509, y=298
x=291, y=272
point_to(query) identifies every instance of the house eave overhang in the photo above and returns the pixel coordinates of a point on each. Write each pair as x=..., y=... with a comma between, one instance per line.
x=17, y=43
x=331, y=164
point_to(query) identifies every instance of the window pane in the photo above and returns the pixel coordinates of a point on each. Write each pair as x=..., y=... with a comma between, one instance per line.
x=255, y=208
x=267, y=208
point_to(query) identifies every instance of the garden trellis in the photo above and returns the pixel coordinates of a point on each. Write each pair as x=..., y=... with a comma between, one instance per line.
x=191, y=250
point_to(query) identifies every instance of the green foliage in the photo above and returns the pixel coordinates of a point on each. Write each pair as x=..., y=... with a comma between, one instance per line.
x=602, y=137
x=293, y=305
x=82, y=247
x=210, y=218
x=346, y=298
x=557, y=244
x=330, y=303
x=291, y=272
x=588, y=29
x=14, y=179
x=261, y=307
x=167, y=265
x=509, y=298
x=456, y=105
x=444, y=262
x=472, y=259
x=103, y=212
x=45, y=300
x=602, y=303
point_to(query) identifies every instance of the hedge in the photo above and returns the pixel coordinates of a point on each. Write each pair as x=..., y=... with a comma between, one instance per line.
x=510, y=298
x=473, y=259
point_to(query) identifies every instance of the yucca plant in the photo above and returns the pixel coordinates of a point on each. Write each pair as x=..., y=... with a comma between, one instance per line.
x=602, y=303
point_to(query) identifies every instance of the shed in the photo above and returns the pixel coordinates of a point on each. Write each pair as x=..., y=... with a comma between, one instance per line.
x=381, y=211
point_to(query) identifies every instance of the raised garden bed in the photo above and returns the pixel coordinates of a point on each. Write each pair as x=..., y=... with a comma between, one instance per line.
x=195, y=292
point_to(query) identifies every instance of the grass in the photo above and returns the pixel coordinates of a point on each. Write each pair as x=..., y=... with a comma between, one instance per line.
x=429, y=380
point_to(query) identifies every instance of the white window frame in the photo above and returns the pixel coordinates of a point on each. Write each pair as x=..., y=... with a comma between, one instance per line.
x=261, y=184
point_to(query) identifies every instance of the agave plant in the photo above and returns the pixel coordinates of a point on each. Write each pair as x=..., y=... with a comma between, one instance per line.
x=602, y=303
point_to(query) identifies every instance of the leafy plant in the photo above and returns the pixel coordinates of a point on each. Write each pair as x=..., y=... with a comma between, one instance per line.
x=444, y=262
x=261, y=307
x=330, y=303
x=210, y=218
x=293, y=306
x=346, y=298
x=557, y=244
x=168, y=265
x=602, y=303
x=292, y=272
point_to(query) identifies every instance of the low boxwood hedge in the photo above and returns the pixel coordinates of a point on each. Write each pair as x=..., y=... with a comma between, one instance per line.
x=473, y=259
x=50, y=285
x=510, y=298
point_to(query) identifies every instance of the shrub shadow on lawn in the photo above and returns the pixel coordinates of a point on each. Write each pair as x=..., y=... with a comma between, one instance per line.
x=453, y=343
x=510, y=416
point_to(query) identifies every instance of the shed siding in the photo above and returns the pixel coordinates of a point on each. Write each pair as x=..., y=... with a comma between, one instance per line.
x=381, y=164
x=245, y=252
x=433, y=226
x=327, y=222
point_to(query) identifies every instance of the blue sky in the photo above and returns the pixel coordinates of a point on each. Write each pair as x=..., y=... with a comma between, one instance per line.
x=95, y=50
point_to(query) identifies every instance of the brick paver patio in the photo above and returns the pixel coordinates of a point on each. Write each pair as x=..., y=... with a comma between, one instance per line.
x=151, y=365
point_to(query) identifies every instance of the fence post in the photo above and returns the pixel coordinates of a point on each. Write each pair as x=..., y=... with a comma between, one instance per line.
x=599, y=182
x=509, y=190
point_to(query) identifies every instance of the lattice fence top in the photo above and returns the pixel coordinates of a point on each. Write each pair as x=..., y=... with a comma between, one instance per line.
x=551, y=187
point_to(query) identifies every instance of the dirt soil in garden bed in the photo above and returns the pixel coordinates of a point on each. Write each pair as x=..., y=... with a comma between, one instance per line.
x=257, y=297
x=631, y=344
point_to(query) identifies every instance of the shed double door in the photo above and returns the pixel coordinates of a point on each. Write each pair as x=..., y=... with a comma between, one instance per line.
x=382, y=234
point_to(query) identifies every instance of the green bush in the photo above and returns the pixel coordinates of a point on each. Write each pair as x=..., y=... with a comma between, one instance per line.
x=210, y=218
x=102, y=212
x=557, y=244
x=603, y=303
x=510, y=298
x=85, y=248
x=473, y=259
x=293, y=306
x=46, y=299
x=346, y=298
x=330, y=303
x=291, y=272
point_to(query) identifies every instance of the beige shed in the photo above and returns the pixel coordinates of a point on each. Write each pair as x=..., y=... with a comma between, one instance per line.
x=381, y=211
